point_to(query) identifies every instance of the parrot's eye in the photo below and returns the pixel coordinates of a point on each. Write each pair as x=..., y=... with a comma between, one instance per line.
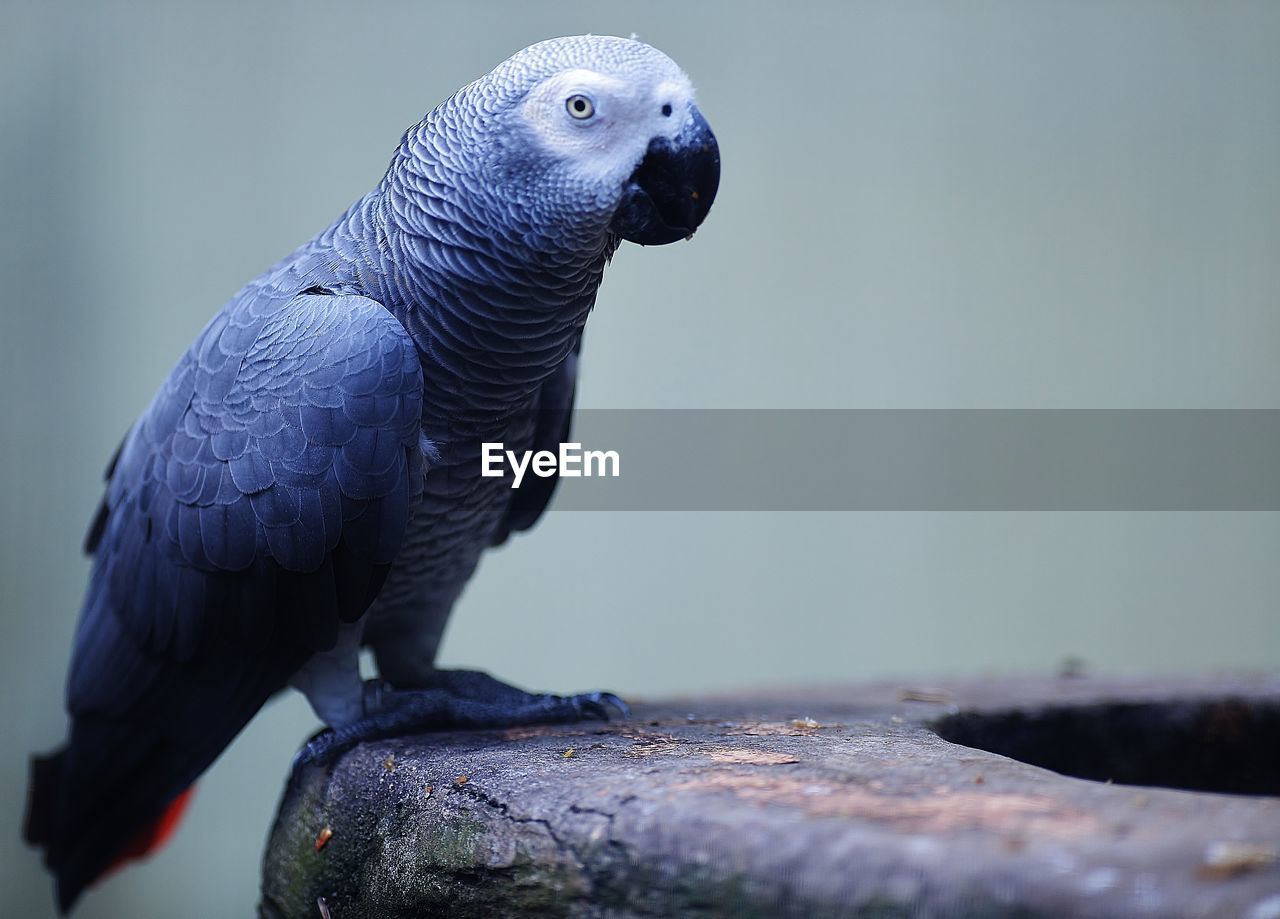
x=580, y=106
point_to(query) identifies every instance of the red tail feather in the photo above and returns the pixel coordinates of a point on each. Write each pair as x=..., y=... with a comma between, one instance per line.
x=152, y=837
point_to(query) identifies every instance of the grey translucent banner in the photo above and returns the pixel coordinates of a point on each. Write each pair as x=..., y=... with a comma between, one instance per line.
x=855, y=460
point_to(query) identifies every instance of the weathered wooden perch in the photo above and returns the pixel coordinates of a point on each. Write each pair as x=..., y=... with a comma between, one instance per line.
x=829, y=803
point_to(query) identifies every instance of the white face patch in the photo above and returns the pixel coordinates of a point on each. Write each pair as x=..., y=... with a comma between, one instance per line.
x=600, y=124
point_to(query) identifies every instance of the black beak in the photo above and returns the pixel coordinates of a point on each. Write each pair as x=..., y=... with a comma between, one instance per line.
x=670, y=193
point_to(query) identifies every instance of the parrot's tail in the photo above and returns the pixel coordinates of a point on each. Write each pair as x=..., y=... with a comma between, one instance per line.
x=40, y=827
x=155, y=834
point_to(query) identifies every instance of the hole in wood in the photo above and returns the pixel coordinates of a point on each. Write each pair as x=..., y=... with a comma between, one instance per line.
x=1225, y=745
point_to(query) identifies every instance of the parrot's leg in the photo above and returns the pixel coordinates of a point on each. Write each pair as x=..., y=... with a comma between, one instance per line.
x=453, y=699
x=331, y=680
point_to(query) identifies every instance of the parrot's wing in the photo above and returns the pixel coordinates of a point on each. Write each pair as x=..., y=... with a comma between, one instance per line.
x=256, y=505
x=552, y=427
x=287, y=440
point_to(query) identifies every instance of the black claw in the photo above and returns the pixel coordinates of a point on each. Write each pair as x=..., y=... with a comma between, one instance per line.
x=601, y=705
x=315, y=751
x=620, y=704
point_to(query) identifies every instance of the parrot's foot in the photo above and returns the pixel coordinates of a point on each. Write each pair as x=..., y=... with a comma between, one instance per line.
x=449, y=700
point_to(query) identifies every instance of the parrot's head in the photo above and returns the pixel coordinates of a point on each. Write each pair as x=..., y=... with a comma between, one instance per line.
x=593, y=137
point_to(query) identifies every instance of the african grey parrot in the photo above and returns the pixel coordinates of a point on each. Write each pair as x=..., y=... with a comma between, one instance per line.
x=306, y=481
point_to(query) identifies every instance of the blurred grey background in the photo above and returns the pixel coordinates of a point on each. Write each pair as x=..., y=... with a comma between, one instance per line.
x=924, y=205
